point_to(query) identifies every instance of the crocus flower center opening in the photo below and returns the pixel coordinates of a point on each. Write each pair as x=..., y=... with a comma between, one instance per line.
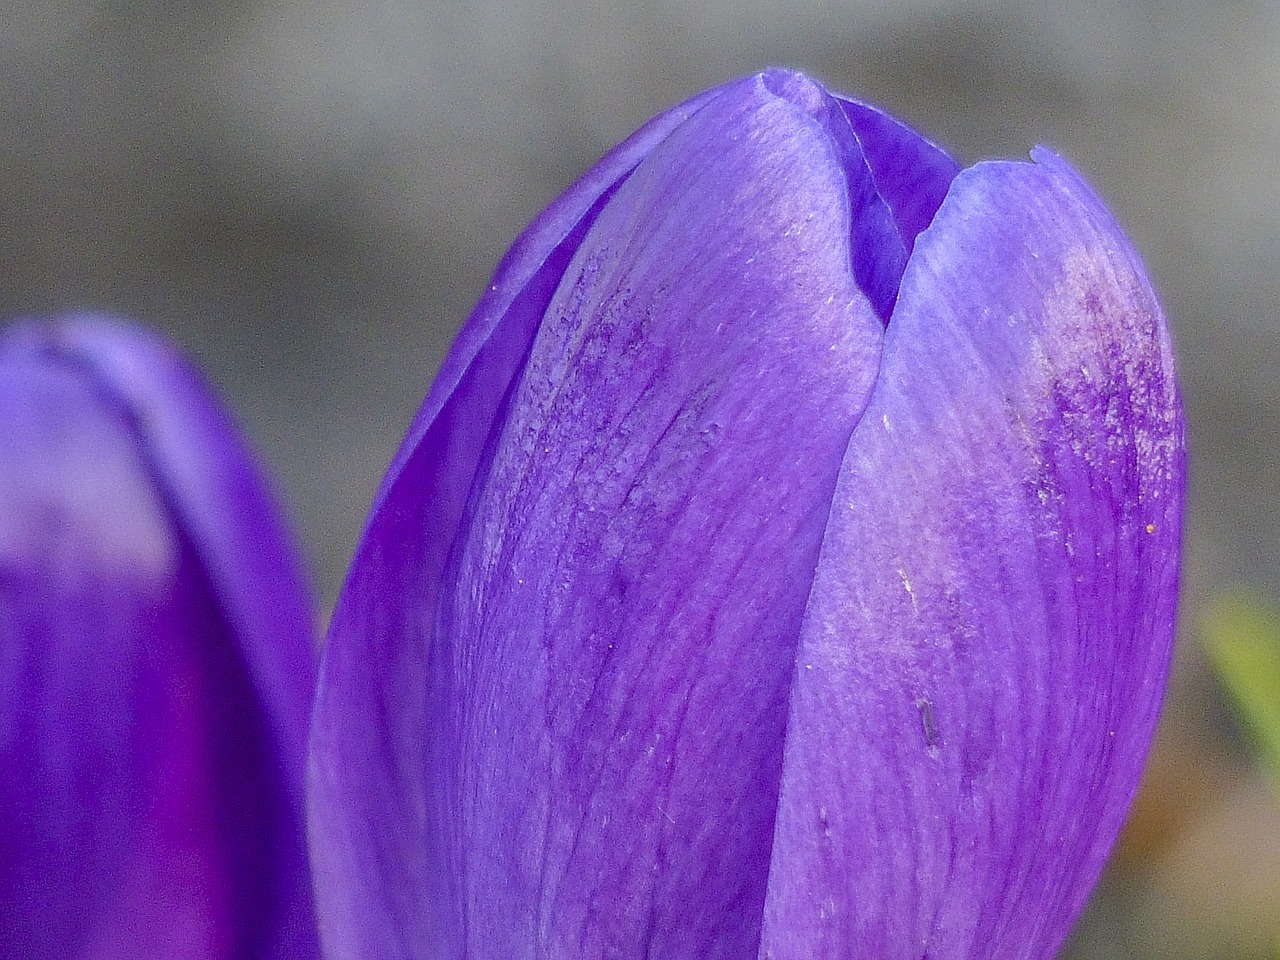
x=762, y=575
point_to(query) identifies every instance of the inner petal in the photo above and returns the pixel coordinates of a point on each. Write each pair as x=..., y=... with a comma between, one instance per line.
x=911, y=174
x=878, y=251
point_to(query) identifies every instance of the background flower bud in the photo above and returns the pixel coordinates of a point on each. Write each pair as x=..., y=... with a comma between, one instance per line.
x=155, y=663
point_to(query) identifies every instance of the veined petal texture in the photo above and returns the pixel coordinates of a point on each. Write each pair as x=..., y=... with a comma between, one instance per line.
x=990, y=627
x=155, y=663
x=584, y=694
x=379, y=879
x=618, y=630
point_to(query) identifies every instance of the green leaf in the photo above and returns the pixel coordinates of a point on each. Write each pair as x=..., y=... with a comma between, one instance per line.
x=1242, y=635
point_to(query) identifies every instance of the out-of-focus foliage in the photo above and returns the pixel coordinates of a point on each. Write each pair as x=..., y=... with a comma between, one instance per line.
x=1242, y=634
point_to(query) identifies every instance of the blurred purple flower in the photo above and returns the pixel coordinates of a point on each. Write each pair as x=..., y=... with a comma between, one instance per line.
x=783, y=565
x=155, y=664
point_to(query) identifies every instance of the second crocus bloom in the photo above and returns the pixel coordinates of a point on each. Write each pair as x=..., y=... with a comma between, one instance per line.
x=783, y=564
x=156, y=665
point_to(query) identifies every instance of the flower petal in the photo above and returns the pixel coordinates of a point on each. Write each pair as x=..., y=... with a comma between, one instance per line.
x=222, y=503
x=617, y=631
x=74, y=579
x=671, y=445
x=911, y=173
x=878, y=252
x=490, y=348
x=157, y=803
x=376, y=881
x=990, y=626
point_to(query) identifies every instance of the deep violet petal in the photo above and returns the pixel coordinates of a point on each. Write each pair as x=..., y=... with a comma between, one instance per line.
x=222, y=502
x=78, y=585
x=877, y=251
x=911, y=173
x=156, y=814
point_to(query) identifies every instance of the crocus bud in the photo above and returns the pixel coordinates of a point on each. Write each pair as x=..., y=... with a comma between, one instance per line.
x=783, y=565
x=156, y=664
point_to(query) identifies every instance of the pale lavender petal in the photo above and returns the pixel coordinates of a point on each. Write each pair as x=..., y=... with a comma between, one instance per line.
x=986, y=645
x=377, y=876
x=154, y=778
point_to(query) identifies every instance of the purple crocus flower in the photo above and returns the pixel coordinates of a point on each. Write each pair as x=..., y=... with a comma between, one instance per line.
x=155, y=664
x=783, y=565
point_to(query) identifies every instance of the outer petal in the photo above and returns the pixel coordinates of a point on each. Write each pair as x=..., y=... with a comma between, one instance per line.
x=617, y=634
x=154, y=695
x=377, y=882
x=988, y=636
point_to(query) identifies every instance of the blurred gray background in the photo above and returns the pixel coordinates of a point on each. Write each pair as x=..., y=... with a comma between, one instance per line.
x=310, y=196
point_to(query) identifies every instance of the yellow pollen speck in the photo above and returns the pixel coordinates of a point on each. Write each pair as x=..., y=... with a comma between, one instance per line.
x=1151, y=528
